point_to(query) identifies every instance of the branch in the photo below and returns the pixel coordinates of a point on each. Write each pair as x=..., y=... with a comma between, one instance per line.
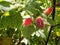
x=56, y=25
x=53, y=15
x=58, y=4
x=20, y=39
x=50, y=32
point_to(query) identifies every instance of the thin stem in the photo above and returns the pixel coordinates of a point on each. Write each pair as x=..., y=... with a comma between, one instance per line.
x=57, y=40
x=49, y=35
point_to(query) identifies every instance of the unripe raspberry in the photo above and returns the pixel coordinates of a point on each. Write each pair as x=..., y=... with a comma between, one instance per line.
x=48, y=10
x=39, y=22
x=27, y=22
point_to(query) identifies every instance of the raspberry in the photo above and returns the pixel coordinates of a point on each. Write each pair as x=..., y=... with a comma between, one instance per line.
x=39, y=22
x=27, y=22
x=48, y=10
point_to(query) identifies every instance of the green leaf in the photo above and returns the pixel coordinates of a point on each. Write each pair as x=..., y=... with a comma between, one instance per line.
x=4, y=3
x=5, y=21
x=57, y=28
x=34, y=8
x=46, y=30
x=27, y=31
x=17, y=34
x=50, y=21
x=10, y=32
x=15, y=19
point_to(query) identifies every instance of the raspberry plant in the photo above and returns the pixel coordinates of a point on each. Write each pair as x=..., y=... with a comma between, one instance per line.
x=29, y=22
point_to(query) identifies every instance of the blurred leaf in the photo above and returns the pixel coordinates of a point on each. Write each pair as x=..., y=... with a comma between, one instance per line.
x=10, y=32
x=6, y=14
x=34, y=8
x=1, y=0
x=17, y=34
x=46, y=30
x=50, y=21
x=27, y=31
x=58, y=34
x=15, y=19
x=4, y=3
x=57, y=15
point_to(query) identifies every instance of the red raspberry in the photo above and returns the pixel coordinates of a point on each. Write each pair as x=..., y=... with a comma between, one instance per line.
x=39, y=22
x=48, y=10
x=27, y=21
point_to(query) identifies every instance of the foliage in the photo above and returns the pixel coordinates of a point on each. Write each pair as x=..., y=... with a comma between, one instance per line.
x=13, y=14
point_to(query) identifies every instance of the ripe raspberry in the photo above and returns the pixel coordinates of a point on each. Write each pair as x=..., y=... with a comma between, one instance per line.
x=48, y=10
x=27, y=22
x=39, y=22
